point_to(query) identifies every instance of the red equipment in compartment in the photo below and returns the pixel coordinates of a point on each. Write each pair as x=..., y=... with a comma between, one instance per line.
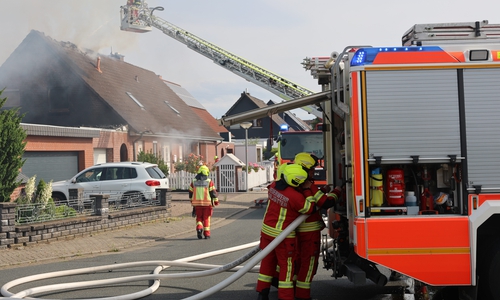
x=396, y=187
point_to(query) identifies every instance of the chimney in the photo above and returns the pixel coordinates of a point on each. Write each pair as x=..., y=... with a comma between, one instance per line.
x=99, y=64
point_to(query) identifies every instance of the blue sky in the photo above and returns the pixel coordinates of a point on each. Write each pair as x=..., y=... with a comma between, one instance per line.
x=274, y=34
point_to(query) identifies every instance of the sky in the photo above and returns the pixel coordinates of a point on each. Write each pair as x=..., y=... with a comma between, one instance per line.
x=274, y=34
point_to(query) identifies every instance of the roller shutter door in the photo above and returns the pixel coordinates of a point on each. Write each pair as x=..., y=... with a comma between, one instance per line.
x=48, y=166
x=99, y=155
x=482, y=106
x=399, y=120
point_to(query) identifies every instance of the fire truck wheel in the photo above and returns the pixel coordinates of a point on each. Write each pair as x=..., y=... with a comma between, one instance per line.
x=488, y=273
x=446, y=293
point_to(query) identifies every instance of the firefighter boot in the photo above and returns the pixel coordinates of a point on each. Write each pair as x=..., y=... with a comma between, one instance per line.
x=200, y=233
x=263, y=295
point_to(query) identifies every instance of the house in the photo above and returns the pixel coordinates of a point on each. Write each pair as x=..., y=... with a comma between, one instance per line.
x=222, y=147
x=77, y=90
x=293, y=122
x=262, y=128
x=266, y=128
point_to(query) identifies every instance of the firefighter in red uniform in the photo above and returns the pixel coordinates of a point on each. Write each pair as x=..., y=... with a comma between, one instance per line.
x=203, y=197
x=285, y=204
x=309, y=232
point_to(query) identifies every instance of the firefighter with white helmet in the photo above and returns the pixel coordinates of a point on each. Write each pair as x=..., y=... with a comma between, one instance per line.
x=203, y=197
x=285, y=204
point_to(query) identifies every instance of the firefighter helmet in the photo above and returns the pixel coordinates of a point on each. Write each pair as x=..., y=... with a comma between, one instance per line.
x=203, y=170
x=306, y=160
x=294, y=175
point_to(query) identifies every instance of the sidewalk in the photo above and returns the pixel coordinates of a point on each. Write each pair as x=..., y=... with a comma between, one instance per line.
x=116, y=240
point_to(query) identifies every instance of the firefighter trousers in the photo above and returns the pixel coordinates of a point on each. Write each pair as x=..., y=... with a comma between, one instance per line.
x=308, y=249
x=203, y=216
x=283, y=256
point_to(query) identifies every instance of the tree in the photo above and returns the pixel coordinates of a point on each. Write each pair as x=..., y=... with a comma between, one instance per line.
x=12, y=144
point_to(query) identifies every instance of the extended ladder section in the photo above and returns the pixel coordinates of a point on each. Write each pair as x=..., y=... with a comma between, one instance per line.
x=451, y=33
x=266, y=79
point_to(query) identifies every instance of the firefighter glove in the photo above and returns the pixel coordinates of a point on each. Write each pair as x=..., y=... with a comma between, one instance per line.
x=325, y=189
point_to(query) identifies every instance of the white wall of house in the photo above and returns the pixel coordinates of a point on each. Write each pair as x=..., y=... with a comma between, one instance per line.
x=254, y=152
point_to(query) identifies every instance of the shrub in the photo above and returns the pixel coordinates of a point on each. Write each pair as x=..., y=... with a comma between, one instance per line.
x=154, y=159
x=190, y=164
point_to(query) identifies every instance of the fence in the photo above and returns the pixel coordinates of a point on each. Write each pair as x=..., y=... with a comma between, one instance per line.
x=31, y=224
x=182, y=179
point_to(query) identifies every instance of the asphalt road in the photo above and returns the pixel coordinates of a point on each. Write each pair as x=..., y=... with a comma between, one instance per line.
x=240, y=229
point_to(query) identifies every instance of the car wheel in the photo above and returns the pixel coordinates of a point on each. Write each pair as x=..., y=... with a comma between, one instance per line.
x=132, y=198
x=59, y=199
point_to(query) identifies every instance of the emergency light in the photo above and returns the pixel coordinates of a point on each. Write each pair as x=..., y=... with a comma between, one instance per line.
x=366, y=56
x=284, y=127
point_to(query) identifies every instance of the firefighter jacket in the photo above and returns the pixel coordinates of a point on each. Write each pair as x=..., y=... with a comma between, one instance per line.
x=315, y=221
x=202, y=191
x=283, y=207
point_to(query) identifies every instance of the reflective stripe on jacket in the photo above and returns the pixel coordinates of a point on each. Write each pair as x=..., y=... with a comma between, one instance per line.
x=201, y=192
x=283, y=208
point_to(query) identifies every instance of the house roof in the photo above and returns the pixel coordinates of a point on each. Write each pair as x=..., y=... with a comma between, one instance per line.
x=138, y=95
x=229, y=159
x=258, y=104
x=196, y=106
x=292, y=116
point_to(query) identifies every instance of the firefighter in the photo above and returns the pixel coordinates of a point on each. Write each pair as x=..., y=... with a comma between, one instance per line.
x=309, y=232
x=285, y=204
x=203, y=197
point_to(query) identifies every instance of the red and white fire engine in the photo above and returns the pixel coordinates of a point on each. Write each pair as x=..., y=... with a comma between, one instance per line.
x=412, y=133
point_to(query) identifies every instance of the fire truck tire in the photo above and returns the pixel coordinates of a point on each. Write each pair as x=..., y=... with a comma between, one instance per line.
x=488, y=273
x=446, y=293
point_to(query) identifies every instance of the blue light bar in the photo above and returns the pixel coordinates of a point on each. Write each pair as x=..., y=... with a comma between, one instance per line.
x=366, y=56
x=284, y=127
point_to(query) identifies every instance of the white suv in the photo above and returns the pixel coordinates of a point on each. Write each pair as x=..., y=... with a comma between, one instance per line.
x=119, y=180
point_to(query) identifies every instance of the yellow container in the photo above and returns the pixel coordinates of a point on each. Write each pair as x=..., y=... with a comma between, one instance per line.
x=376, y=190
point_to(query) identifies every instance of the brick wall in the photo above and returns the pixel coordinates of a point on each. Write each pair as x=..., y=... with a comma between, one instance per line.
x=12, y=235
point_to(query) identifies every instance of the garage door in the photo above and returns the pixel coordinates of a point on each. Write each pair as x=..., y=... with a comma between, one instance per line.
x=50, y=165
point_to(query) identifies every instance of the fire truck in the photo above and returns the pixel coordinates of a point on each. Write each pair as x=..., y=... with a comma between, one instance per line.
x=292, y=142
x=412, y=134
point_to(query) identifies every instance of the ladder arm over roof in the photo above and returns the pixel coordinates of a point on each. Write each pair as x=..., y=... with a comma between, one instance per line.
x=262, y=112
x=266, y=79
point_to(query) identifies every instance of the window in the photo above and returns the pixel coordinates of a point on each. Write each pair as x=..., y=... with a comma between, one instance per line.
x=257, y=123
x=90, y=175
x=135, y=100
x=155, y=172
x=175, y=110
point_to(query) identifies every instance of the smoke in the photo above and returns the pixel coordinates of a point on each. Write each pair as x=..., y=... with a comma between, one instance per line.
x=92, y=24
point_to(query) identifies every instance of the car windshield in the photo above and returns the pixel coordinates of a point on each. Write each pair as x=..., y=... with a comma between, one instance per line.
x=155, y=172
x=292, y=143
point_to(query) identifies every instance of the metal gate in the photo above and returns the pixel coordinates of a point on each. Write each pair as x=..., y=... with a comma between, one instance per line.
x=227, y=179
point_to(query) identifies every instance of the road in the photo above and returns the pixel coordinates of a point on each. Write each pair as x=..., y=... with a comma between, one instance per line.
x=240, y=229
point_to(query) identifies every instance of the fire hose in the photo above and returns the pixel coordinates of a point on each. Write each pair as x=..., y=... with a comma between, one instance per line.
x=256, y=253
